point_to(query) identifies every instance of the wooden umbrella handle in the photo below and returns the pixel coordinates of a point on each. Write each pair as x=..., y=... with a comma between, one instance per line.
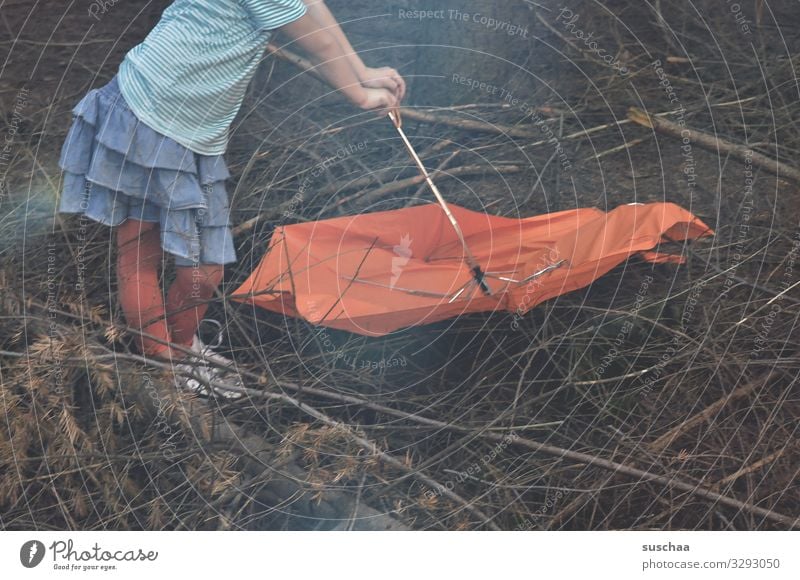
x=394, y=115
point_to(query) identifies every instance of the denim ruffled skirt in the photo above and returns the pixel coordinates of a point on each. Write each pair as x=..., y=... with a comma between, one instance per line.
x=116, y=167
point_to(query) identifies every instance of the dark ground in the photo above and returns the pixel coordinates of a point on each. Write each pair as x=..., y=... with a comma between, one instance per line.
x=87, y=456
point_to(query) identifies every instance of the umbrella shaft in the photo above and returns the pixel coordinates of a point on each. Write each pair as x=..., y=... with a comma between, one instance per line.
x=471, y=261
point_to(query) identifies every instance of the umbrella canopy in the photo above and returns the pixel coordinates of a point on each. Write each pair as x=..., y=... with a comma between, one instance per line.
x=374, y=273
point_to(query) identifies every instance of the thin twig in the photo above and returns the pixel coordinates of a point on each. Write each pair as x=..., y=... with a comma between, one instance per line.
x=703, y=416
x=713, y=143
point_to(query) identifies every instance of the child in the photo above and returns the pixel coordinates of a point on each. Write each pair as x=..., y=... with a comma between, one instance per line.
x=145, y=155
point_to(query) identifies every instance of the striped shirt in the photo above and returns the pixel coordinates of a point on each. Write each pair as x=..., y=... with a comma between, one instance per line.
x=188, y=77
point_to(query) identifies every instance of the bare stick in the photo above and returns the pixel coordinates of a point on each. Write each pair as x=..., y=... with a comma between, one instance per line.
x=755, y=466
x=371, y=447
x=364, y=443
x=470, y=124
x=712, y=143
x=552, y=450
x=391, y=187
x=703, y=416
x=466, y=124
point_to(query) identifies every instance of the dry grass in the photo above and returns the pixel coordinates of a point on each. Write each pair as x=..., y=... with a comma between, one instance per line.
x=660, y=397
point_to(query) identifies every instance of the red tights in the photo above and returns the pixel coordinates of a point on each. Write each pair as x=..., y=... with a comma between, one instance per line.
x=139, y=259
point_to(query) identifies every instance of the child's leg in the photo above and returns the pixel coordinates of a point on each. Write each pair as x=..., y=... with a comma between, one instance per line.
x=138, y=260
x=193, y=284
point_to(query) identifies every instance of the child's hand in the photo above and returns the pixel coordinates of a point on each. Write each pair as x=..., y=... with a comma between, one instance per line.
x=379, y=100
x=384, y=77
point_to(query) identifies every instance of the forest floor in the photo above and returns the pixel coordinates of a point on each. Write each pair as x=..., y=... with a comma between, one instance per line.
x=660, y=397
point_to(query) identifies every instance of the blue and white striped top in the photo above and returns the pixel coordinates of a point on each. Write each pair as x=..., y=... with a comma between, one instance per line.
x=188, y=77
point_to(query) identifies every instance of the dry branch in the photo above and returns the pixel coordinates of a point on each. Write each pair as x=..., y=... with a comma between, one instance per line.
x=373, y=194
x=552, y=450
x=366, y=444
x=755, y=466
x=416, y=114
x=705, y=415
x=281, y=479
x=712, y=143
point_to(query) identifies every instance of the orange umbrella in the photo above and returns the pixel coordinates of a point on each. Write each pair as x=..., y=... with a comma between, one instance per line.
x=377, y=272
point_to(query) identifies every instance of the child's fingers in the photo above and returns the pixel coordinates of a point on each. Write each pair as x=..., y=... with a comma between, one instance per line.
x=389, y=82
x=398, y=83
x=387, y=78
x=401, y=84
x=383, y=100
x=392, y=103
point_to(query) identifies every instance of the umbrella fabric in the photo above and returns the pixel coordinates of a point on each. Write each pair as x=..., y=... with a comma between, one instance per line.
x=374, y=273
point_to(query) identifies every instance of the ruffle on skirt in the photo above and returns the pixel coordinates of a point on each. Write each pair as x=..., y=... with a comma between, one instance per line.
x=116, y=167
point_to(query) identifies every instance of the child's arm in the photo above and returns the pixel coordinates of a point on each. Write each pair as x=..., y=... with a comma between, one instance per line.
x=383, y=77
x=334, y=64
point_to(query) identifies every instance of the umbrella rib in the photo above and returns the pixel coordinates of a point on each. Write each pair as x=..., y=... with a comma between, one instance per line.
x=544, y=270
x=289, y=265
x=288, y=272
x=460, y=291
x=339, y=299
x=401, y=289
